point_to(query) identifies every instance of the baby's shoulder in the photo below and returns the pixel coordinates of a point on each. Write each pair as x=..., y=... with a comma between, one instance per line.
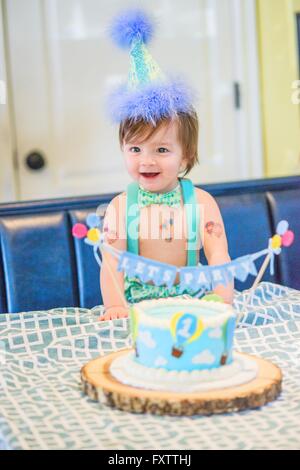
x=117, y=199
x=116, y=208
x=114, y=222
x=203, y=197
x=209, y=206
x=118, y=202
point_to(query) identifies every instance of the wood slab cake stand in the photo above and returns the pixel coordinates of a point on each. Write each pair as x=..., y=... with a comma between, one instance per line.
x=100, y=385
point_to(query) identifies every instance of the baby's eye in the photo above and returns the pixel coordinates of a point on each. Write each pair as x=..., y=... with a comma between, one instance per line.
x=162, y=150
x=134, y=149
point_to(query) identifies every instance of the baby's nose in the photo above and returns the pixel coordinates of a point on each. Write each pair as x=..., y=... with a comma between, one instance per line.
x=148, y=159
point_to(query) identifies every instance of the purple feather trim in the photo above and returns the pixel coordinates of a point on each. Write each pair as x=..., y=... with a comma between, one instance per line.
x=150, y=102
x=131, y=25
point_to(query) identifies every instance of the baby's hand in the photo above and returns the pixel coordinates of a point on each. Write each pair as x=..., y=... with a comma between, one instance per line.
x=113, y=313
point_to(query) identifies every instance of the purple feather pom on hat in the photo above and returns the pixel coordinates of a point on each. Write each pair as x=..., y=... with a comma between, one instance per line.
x=129, y=26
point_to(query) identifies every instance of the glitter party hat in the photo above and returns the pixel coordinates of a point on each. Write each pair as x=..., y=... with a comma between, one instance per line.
x=148, y=94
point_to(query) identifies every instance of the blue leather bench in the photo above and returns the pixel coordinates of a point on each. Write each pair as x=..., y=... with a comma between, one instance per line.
x=42, y=266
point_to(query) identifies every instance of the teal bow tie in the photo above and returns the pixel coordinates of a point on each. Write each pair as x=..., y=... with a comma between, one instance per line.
x=172, y=198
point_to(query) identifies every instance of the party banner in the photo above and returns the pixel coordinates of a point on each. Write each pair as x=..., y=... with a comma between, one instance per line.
x=190, y=277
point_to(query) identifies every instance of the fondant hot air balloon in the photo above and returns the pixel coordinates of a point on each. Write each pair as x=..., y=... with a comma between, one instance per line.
x=185, y=328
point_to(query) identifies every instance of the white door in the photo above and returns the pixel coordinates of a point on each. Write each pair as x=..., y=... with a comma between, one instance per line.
x=62, y=64
x=7, y=176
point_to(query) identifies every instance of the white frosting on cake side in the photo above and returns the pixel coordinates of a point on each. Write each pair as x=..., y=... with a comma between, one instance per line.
x=126, y=370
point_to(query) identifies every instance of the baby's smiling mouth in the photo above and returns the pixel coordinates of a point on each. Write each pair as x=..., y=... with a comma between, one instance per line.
x=149, y=174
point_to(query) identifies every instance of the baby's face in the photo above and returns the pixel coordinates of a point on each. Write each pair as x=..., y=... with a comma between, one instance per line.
x=156, y=162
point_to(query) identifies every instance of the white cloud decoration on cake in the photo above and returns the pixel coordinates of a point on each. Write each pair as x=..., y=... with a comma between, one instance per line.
x=146, y=338
x=205, y=357
x=160, y=361
x=215, y=333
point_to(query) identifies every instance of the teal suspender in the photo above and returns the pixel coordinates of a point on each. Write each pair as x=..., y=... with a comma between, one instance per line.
x=192, y=220
x=132, y=218
x=192, y=215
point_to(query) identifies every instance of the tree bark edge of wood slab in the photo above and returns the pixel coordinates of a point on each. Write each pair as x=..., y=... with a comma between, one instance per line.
x=99, y=385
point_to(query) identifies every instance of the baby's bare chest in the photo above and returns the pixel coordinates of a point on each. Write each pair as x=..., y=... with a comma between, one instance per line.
x=162, y=234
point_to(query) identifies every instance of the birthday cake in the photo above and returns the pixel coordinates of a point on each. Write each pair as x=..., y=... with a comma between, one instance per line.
x=182, y=345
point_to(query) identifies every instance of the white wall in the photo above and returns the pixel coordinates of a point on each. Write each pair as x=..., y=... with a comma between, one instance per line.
x=7, y=183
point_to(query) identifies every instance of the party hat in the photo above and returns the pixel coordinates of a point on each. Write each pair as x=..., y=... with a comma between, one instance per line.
x=149, y=94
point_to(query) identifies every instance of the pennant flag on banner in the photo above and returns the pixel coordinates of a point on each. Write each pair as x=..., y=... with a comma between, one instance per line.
x=218, y=276
x=127, y=264
x=203, y=277
x=241, y=267
x=251, y=266
x=187, y=278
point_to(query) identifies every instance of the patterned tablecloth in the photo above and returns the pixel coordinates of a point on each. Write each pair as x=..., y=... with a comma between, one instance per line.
x=42, y=407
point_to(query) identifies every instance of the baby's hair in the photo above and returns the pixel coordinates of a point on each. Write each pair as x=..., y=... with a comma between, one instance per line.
x=188, y=129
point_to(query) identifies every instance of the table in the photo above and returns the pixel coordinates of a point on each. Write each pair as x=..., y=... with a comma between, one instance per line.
x=42, y=406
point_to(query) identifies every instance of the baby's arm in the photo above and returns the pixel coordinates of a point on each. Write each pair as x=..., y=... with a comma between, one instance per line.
x=214, y=239
x=113, y=296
